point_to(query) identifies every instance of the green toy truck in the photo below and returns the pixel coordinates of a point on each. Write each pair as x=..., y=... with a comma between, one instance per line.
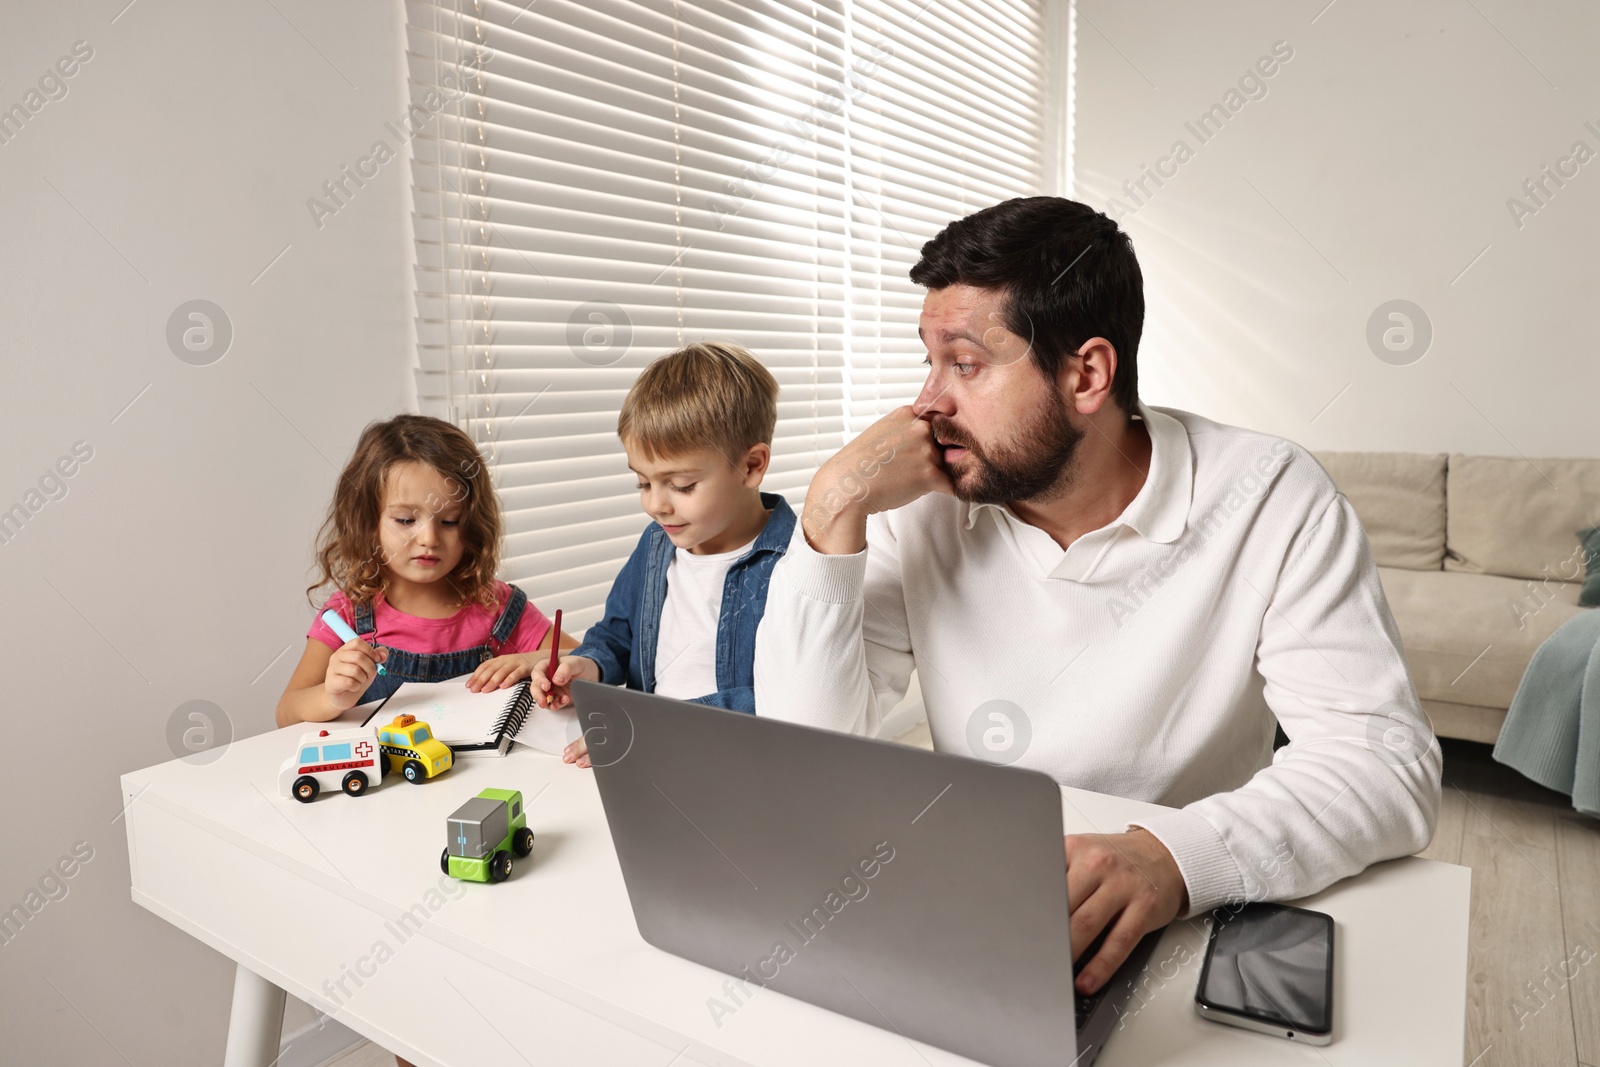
x=482, y=834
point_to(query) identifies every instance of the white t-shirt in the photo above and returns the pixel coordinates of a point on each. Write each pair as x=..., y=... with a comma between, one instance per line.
x=686, y=644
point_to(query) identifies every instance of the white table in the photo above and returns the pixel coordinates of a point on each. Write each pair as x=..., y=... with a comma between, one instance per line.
x=549, y=968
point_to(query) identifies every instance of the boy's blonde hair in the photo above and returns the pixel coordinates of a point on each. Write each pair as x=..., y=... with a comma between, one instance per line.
x=714, y=394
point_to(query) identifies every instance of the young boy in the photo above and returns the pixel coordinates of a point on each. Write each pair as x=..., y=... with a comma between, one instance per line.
x=697, y=427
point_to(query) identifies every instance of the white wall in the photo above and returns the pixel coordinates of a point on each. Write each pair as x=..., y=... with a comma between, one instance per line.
x=173, y=569
x=1377, y=167
x=178, y=165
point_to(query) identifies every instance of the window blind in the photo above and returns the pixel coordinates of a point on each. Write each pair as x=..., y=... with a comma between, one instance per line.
x=598, y=183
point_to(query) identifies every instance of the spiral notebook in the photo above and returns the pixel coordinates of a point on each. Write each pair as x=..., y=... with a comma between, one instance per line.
x=479, y=724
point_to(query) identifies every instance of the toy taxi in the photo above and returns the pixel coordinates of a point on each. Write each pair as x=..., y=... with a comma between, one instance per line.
x=413, y=750
x=346, y=759
x=481, y=835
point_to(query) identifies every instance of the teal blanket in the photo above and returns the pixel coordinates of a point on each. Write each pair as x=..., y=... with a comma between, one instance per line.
x=1552, y=730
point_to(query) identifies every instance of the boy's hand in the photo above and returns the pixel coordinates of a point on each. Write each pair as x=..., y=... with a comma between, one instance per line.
x=577, y=752
x=502, y=671
x=557, y=692
x=351, y=670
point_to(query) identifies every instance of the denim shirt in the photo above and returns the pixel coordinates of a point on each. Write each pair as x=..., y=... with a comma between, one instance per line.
x=623, y=644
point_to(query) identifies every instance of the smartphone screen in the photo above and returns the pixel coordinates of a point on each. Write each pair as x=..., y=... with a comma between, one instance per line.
x=1272, y=964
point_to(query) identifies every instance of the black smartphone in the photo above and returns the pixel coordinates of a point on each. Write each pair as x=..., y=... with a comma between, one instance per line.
x=1269, y=967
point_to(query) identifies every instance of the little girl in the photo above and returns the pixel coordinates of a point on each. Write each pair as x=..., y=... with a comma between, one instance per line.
x=411, y=545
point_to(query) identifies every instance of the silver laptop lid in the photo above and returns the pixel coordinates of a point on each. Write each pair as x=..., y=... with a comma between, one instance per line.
x=916, y=891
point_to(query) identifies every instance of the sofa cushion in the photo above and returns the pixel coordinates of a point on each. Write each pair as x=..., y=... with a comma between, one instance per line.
x=1518, y=517
x=1469, y=637
x=1399, y=497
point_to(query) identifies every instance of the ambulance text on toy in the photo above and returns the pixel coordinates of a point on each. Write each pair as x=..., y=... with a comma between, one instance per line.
x=413, y=750
x=481, y=835
x=347, y=759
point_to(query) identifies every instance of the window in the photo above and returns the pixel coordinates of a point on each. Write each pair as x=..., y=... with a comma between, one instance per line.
x=333, y=753
x=596, y=183
x=420, y=734
x=516, y=808
x=308, y=755
x=383, y=737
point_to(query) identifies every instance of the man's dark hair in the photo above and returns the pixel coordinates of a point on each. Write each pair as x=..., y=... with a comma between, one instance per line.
x=1068, y=272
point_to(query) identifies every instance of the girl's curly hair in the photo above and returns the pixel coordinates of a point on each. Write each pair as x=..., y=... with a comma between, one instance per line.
x=349, y=553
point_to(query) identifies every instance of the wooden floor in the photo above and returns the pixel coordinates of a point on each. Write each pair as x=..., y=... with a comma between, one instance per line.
x=1533, y=971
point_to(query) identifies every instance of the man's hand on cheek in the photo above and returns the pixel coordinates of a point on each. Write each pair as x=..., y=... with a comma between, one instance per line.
x=893, y=462
x=1127, y=881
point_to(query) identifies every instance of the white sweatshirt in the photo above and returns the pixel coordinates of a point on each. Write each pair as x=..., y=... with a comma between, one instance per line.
x=1147, y=660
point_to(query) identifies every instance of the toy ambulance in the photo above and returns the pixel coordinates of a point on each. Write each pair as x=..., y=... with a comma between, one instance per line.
x=347, y=759
x=413, y=750
x=481, y=835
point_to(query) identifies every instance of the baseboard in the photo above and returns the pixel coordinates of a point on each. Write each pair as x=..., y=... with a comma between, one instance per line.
x=317, y=1043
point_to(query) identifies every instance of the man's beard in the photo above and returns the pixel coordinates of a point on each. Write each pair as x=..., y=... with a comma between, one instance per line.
x=1035, y=466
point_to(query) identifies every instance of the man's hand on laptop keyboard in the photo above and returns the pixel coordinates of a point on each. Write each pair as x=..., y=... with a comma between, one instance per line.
x=1129, y=880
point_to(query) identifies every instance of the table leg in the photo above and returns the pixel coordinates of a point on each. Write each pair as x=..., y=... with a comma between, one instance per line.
x=255, y=1025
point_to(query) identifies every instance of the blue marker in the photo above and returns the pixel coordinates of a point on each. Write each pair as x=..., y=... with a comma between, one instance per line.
x=342, y=628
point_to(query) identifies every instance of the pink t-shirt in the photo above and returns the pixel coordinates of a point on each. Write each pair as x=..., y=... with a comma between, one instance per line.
x=467, y=628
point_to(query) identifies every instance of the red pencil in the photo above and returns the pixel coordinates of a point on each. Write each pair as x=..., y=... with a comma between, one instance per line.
x=555, y=647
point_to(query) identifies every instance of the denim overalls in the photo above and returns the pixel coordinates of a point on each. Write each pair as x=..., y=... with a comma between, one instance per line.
x=403, y=666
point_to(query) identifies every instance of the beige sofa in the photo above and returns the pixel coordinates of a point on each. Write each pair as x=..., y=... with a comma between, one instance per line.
x=1480, y=560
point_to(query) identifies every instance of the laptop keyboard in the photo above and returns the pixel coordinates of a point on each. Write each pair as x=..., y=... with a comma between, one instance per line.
x=1083, y=1004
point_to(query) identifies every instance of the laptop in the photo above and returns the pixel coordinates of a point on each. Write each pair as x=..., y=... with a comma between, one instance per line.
x=920, y=892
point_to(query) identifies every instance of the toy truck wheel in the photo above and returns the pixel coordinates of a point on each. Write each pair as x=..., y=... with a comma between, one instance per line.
x=500, y=866
x=444, y=861
x=305, y=789
x=522, y=842
x=355, y=783
x=414, y=771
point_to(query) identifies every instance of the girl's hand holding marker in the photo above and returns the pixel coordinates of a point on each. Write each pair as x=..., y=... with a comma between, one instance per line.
x=353, y=666
x=342, y=628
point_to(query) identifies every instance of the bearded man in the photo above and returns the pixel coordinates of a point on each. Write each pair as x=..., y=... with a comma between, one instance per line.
x=1128, y=598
